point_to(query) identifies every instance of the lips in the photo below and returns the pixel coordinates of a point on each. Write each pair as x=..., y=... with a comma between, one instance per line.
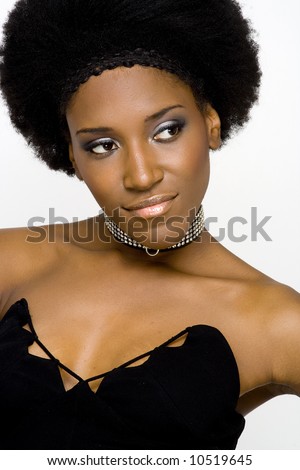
x=151, y=201
x=153, y=206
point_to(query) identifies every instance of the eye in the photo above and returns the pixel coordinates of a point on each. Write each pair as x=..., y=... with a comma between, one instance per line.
x=168, y=131
x=101, y=146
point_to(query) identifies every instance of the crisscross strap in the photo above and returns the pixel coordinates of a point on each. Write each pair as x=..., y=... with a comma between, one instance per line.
x=141, y=356
x=49, y=354
x=99, y=376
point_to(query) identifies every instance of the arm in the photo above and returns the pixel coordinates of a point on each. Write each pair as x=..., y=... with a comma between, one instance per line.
x=277, y=337
x=251, y=400
x=285, y=341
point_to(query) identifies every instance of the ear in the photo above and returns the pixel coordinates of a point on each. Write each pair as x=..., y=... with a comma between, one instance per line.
x=213, y=127
x=74, y=164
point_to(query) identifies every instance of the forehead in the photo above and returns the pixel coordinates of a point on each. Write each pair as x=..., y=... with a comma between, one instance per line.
x=139, y=89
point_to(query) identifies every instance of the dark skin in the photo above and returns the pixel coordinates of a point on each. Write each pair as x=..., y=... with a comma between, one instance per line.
x=110, y=302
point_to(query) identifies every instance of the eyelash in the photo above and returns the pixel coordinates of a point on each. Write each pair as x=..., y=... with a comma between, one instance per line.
x=91, y=146
x=170, y=125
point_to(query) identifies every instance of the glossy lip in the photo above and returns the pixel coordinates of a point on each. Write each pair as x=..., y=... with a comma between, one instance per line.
x=153, y=206
x=151, y=201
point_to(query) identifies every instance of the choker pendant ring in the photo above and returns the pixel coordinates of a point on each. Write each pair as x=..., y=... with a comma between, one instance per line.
x=151, y=252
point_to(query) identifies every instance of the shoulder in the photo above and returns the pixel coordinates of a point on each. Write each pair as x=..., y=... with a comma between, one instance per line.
x=27, y=253
x=267, y=341
x=24, y=253
x=267, y=317
x=280, y=325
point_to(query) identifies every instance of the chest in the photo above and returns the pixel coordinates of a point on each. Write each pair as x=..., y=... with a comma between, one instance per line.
x=94, y=318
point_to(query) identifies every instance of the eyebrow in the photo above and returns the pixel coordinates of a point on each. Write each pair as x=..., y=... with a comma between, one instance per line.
x=152, y=117
x=94, y=130
x=162, y=112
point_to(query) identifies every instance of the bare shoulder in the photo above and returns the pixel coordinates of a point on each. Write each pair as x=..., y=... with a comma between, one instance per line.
x=281, y=323
x=270, y=351
x=267, y=316
x=24, y=253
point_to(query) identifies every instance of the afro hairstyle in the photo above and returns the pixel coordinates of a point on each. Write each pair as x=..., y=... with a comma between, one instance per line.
x=50, y=47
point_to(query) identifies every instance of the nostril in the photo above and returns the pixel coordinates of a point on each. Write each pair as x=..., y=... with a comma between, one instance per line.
x=142, y=176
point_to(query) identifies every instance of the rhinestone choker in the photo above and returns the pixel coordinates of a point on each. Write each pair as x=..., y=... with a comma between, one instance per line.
x=193, y=232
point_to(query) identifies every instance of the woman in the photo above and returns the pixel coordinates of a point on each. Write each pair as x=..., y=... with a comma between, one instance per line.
x=131, y=98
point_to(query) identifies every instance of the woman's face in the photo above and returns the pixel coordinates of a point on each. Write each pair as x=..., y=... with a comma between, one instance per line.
x=141, y=144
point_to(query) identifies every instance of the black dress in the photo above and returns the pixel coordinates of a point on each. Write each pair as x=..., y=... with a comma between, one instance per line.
x=180, y=398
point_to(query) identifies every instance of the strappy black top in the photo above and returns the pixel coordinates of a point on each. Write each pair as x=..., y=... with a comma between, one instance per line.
x=180, y=398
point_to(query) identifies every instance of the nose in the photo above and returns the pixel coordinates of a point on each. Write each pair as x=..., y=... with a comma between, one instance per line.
x=142, y=170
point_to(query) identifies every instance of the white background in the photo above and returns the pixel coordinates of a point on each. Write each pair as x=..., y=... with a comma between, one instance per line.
x=258, y=168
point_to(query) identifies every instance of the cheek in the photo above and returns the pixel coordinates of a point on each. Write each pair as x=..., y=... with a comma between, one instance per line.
x=101, y=179
x=196, y=172
x=197, y=163
x=199, y=159
x=195, y=143
x=102, y=188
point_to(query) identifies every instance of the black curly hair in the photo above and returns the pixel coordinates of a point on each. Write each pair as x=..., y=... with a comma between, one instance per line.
x=50, y=47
